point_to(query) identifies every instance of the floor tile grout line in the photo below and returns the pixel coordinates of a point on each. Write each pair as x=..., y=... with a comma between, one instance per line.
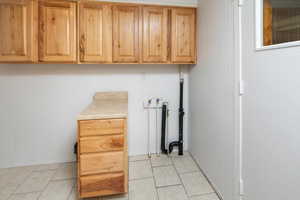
x=19, y=185
x=139, y=161
x=165, y=186
x=207, y=179
x=172, y=164
x=136, y=179
x=201, y=195
x=185, y=190
x=52, y=180
x=27, y=192
x=163, y=167
x=154, y=180
x=46, y=185
x=73, y=188
x=36, y=171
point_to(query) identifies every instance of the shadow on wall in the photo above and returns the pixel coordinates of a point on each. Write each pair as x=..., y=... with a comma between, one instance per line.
x=86, y=69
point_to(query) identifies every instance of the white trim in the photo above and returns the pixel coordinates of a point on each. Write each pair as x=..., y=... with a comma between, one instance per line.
x=259, y=31
x=237, y=18
x=279, y=46
x=259, y=23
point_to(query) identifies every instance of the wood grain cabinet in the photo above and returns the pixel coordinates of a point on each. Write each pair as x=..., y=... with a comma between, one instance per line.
x=57, y=31
x=155, y=34
x=90, y=31
x=18, y=22
x=183, y=35
x=125, y=34
x=95, y=43
x=102, y=157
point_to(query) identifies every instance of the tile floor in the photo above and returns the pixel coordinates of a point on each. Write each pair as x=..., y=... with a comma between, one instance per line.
x=158, y=178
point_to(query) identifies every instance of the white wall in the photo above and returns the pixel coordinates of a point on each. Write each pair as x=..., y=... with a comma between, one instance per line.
x=39, y=104
x=271, y=118
x=212, y=139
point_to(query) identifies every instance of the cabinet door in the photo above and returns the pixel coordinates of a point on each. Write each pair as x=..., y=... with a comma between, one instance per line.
x=155, y=34
x=125, y=34
x=18, y=31
x=57, y=31
x=183, y=35
x=95, y=32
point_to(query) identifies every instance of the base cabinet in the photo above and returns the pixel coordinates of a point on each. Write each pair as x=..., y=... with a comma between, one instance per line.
x=102, y=157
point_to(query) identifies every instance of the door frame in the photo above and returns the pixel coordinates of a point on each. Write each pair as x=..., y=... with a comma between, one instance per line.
x=237, y=10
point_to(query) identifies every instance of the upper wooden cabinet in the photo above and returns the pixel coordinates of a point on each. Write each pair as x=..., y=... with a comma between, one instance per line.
x=125, y=34
x=155, y=34
x=95, y=43
x=92, y=31
x=183, y=24
x=57, y=31
x=18, y=24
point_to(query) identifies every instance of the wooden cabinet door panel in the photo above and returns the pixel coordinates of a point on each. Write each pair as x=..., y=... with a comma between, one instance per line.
x=18, y=31
x=100, y=185
x=183, y=35
x=101, y=163
x=95, y=32
x=155, y=34
x=57, y=31
x=101, y=144
x=126, y=34
x=101, y=127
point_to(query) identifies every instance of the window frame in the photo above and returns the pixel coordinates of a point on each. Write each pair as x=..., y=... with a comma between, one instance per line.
x=259, y=31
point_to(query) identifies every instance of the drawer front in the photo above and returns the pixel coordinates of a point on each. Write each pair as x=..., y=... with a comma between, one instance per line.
x=101, y=127
x=101, y=144
x=101, y=163
x=101, y=185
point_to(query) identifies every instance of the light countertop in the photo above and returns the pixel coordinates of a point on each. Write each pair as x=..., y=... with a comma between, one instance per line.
x=106, y=105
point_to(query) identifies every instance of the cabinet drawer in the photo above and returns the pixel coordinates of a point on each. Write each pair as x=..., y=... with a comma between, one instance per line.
x=101, y=185
x=101, y=127
x=101, y=163
x=101, y=143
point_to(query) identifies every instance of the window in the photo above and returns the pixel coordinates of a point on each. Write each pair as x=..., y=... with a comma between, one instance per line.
x=277, y=23
x=280, y=21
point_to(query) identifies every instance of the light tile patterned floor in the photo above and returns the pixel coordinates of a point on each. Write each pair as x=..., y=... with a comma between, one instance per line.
x=158, y=178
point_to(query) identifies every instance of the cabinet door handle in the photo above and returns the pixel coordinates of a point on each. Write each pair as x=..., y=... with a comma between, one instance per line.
x=42, y=27
x=81, y=46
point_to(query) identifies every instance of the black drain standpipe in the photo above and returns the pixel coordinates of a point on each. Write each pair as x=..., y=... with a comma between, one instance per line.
x=163, y=129
x=179, y=143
